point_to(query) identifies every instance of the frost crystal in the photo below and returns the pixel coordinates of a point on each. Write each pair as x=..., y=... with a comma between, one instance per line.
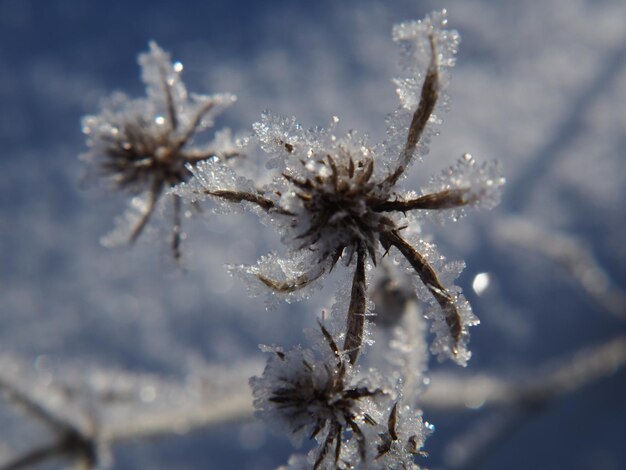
x=336, y=197
x=142, y=145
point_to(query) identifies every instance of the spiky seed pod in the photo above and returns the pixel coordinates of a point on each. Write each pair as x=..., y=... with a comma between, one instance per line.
x=142, y=145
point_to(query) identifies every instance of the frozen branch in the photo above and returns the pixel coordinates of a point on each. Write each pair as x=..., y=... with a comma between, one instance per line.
x=450, y=392
x=570, y=253
x=128, y=407
x=521, y=402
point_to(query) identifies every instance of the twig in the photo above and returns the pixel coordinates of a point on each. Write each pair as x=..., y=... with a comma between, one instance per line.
x=450, y=392
x=523, y=401
x=571, y=254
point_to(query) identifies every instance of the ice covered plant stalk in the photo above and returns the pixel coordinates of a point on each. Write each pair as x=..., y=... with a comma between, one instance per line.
x=317, y=394
x=142, y=145
x=338, y=198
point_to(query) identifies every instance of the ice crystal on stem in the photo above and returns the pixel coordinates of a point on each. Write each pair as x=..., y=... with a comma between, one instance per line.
x=316, y=396
x=337, y=198
x=310, y=396
x=402, y=438
x=142, y=145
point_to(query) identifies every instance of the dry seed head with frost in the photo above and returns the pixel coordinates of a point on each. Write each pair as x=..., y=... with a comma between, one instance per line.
x=317, y=395
x=338, y=197
x=142, y=145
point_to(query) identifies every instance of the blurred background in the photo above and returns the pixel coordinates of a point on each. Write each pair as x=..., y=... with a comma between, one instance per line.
x=540, y=86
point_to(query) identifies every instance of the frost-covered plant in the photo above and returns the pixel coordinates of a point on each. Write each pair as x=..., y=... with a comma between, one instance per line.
x=354, y=421
x=142, y=145
x=337, y=197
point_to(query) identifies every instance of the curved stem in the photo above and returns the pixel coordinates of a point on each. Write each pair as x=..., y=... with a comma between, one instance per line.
x=356, y=311
x=428, y=99
x=432, y=282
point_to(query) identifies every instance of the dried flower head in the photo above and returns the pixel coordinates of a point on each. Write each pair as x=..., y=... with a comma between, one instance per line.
x=142, y=145
x=313, y=397
x=338, y=197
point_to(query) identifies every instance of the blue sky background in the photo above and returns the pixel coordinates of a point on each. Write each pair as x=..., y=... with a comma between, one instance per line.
x=541, y=86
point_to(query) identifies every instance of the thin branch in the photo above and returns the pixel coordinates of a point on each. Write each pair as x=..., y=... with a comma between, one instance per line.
x=71, y=445
x=194, y=156
x=432, y=282
x=333, y=433
x=241, y=196
x=360, y=439
x=356, y=310
x=197, y=119
x=169, y=99
x=331, y=343
x=471, y=450
x=176, y=227
x=411, y=349
x=447, y=199
x=34, y=457
x=524, y=400
x=294, y=284
x=71, y=442
x=33, y=408
x=428, y=99
x=153, y=197
x=569, y=252
x=446, y=392
x=449, y=392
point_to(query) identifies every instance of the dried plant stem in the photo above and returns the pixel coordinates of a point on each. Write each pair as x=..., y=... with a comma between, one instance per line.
x=294, y=284
x=169, y=99
x=34, y=457
x=194, y=156
x=432, y=282
x=176, y=227
x=448, y=199
x=446, y=392
x=356, y=311
x=194, y=125
x=428, y=99
x=71, y=441
x=234, y=408
x=523, y=401
x=569, y=252
x=449, y=392
x=153, y=197
x=241, y=196
x=414, y=351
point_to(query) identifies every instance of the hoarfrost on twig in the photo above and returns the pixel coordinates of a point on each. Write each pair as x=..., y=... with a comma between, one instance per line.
x=143, y=145
x=336, y=198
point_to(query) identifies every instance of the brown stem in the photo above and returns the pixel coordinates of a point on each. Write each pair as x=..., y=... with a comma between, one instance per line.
x=176, y=228
x=194, y=156
x=194, y=125
x=447, y=199
x=333, y=433
x=432, y=282
x=169, y=99
x=356, y=311
x=153, y=197
x=71, y=442
x=428, y=99
x=34, y=457
x=292, y=285
x=240, y=196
